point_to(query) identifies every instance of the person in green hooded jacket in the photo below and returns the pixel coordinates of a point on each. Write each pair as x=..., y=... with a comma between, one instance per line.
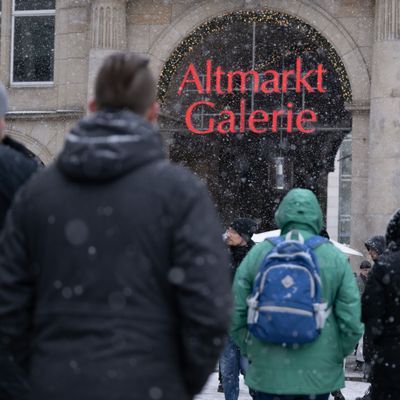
x=313, y=370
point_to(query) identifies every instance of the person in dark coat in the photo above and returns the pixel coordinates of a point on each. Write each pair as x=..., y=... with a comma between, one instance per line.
x=375, y=247
x=381, y=316
x=16, y=166
x=114, y=280
x=16, y=162
x=238, y=238
x=362, y=277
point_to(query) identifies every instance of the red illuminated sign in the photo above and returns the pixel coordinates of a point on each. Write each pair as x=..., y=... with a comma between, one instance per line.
x=268, y=82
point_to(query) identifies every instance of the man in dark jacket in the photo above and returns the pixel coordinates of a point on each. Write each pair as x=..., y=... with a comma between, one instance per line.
x=375, y=247
x=16, y=166
x=16, y=163
x=238, y=238
x=381, y=315
x=113, y=274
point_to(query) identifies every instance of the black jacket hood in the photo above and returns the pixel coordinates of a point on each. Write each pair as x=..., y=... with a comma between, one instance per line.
x=376, y=243
x=108, y=144
x=393, y=231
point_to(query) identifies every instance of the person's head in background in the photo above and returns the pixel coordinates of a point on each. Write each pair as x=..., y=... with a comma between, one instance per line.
x=240, y=232
x=365, y=267
x=375, y=246
x=3, y=110
x=125, y=82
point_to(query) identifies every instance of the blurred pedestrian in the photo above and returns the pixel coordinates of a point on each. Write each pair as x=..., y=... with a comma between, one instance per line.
x=16, y=166
x=232, y=363
x=16, y=162
x=381, y=315
x=362, y=276
x=375, y=247
x=313, y=370
x=113, y=274
x=365, y=269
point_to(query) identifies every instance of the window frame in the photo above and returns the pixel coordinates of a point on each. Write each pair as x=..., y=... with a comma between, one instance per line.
x=27, y=13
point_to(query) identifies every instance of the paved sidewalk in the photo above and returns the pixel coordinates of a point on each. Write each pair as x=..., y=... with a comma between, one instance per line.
x=352, y=390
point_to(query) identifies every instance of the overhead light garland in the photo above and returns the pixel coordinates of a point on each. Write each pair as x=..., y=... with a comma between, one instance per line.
x=217, y=24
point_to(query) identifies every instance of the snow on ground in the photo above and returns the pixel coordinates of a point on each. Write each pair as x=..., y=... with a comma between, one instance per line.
x=352, y=390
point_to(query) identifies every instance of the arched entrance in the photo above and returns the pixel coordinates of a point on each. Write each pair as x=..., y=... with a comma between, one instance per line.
x=37, y=149
x=247, y=173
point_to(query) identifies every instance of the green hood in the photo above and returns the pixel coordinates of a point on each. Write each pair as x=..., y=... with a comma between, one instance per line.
x=299, y=210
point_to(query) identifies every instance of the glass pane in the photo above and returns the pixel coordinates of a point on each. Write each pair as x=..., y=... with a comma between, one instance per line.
x=345, y=198
x=35, y=5
x=33, y=49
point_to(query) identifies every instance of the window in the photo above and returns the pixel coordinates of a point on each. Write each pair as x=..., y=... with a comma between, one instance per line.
x=32, y=58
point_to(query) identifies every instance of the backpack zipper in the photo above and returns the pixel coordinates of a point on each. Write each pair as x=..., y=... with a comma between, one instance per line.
x=312, y=283
x=289, y=310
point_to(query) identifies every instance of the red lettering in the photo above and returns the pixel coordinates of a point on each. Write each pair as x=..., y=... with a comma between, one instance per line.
x=274, y=81
x=230, y=121
x=289, y=128
x=243, y=76
x=301, y=119
x=320, y=73
x=208, y=76
x=301, y=80
x=253, y=120
x=218, y=74
x=188, y=118
x=275, y=115
x=285, y=75
x=196, y=80
x=242, y=115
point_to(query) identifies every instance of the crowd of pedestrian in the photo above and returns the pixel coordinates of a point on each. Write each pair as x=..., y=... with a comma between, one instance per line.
x=117, y=282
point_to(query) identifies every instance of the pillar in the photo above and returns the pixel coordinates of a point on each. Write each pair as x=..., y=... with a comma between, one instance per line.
x=108, y=33
x=384, y=138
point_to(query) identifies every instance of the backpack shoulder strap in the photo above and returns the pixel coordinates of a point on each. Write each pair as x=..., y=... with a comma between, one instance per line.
x=315, y=241
x=275, y=240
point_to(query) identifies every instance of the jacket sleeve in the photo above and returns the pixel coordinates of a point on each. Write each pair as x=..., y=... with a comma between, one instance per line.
x=347, y=308
x=242, y=288
x=16, y=300
x=200, y=276
x=373, y=303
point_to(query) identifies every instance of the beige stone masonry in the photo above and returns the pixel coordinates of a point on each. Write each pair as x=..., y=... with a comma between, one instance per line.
x=108, y=24
x=387, y=20
x=144, y=12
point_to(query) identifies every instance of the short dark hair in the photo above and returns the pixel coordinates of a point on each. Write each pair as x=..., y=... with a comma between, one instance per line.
x=125, y=81
x=365, y=264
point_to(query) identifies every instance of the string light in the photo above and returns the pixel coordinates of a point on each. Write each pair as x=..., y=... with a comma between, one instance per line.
x=215, y=25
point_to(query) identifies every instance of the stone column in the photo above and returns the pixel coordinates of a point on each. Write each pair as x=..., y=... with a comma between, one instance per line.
x=5, y=42
x=384, y=139
x=108, y=33
x=359, y=176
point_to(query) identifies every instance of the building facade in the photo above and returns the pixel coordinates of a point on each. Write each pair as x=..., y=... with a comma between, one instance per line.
x=50, y=51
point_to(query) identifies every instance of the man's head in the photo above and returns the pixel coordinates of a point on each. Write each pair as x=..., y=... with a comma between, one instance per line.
x=375, y=246
x=365, y=267
x=240, y=232
x=124, y=81
x=3, y=110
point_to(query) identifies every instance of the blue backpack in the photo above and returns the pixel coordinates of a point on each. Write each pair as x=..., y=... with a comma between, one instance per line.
x=285, y=306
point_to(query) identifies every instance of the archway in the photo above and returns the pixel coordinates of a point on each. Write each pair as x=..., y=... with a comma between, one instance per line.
x=248, y=174
x=37, y=149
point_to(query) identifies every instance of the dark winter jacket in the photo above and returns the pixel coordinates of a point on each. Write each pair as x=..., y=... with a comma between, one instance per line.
x=237, y=253
x=16, y=166
x=113, y=274
x=381, y=315
x=378, y=244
